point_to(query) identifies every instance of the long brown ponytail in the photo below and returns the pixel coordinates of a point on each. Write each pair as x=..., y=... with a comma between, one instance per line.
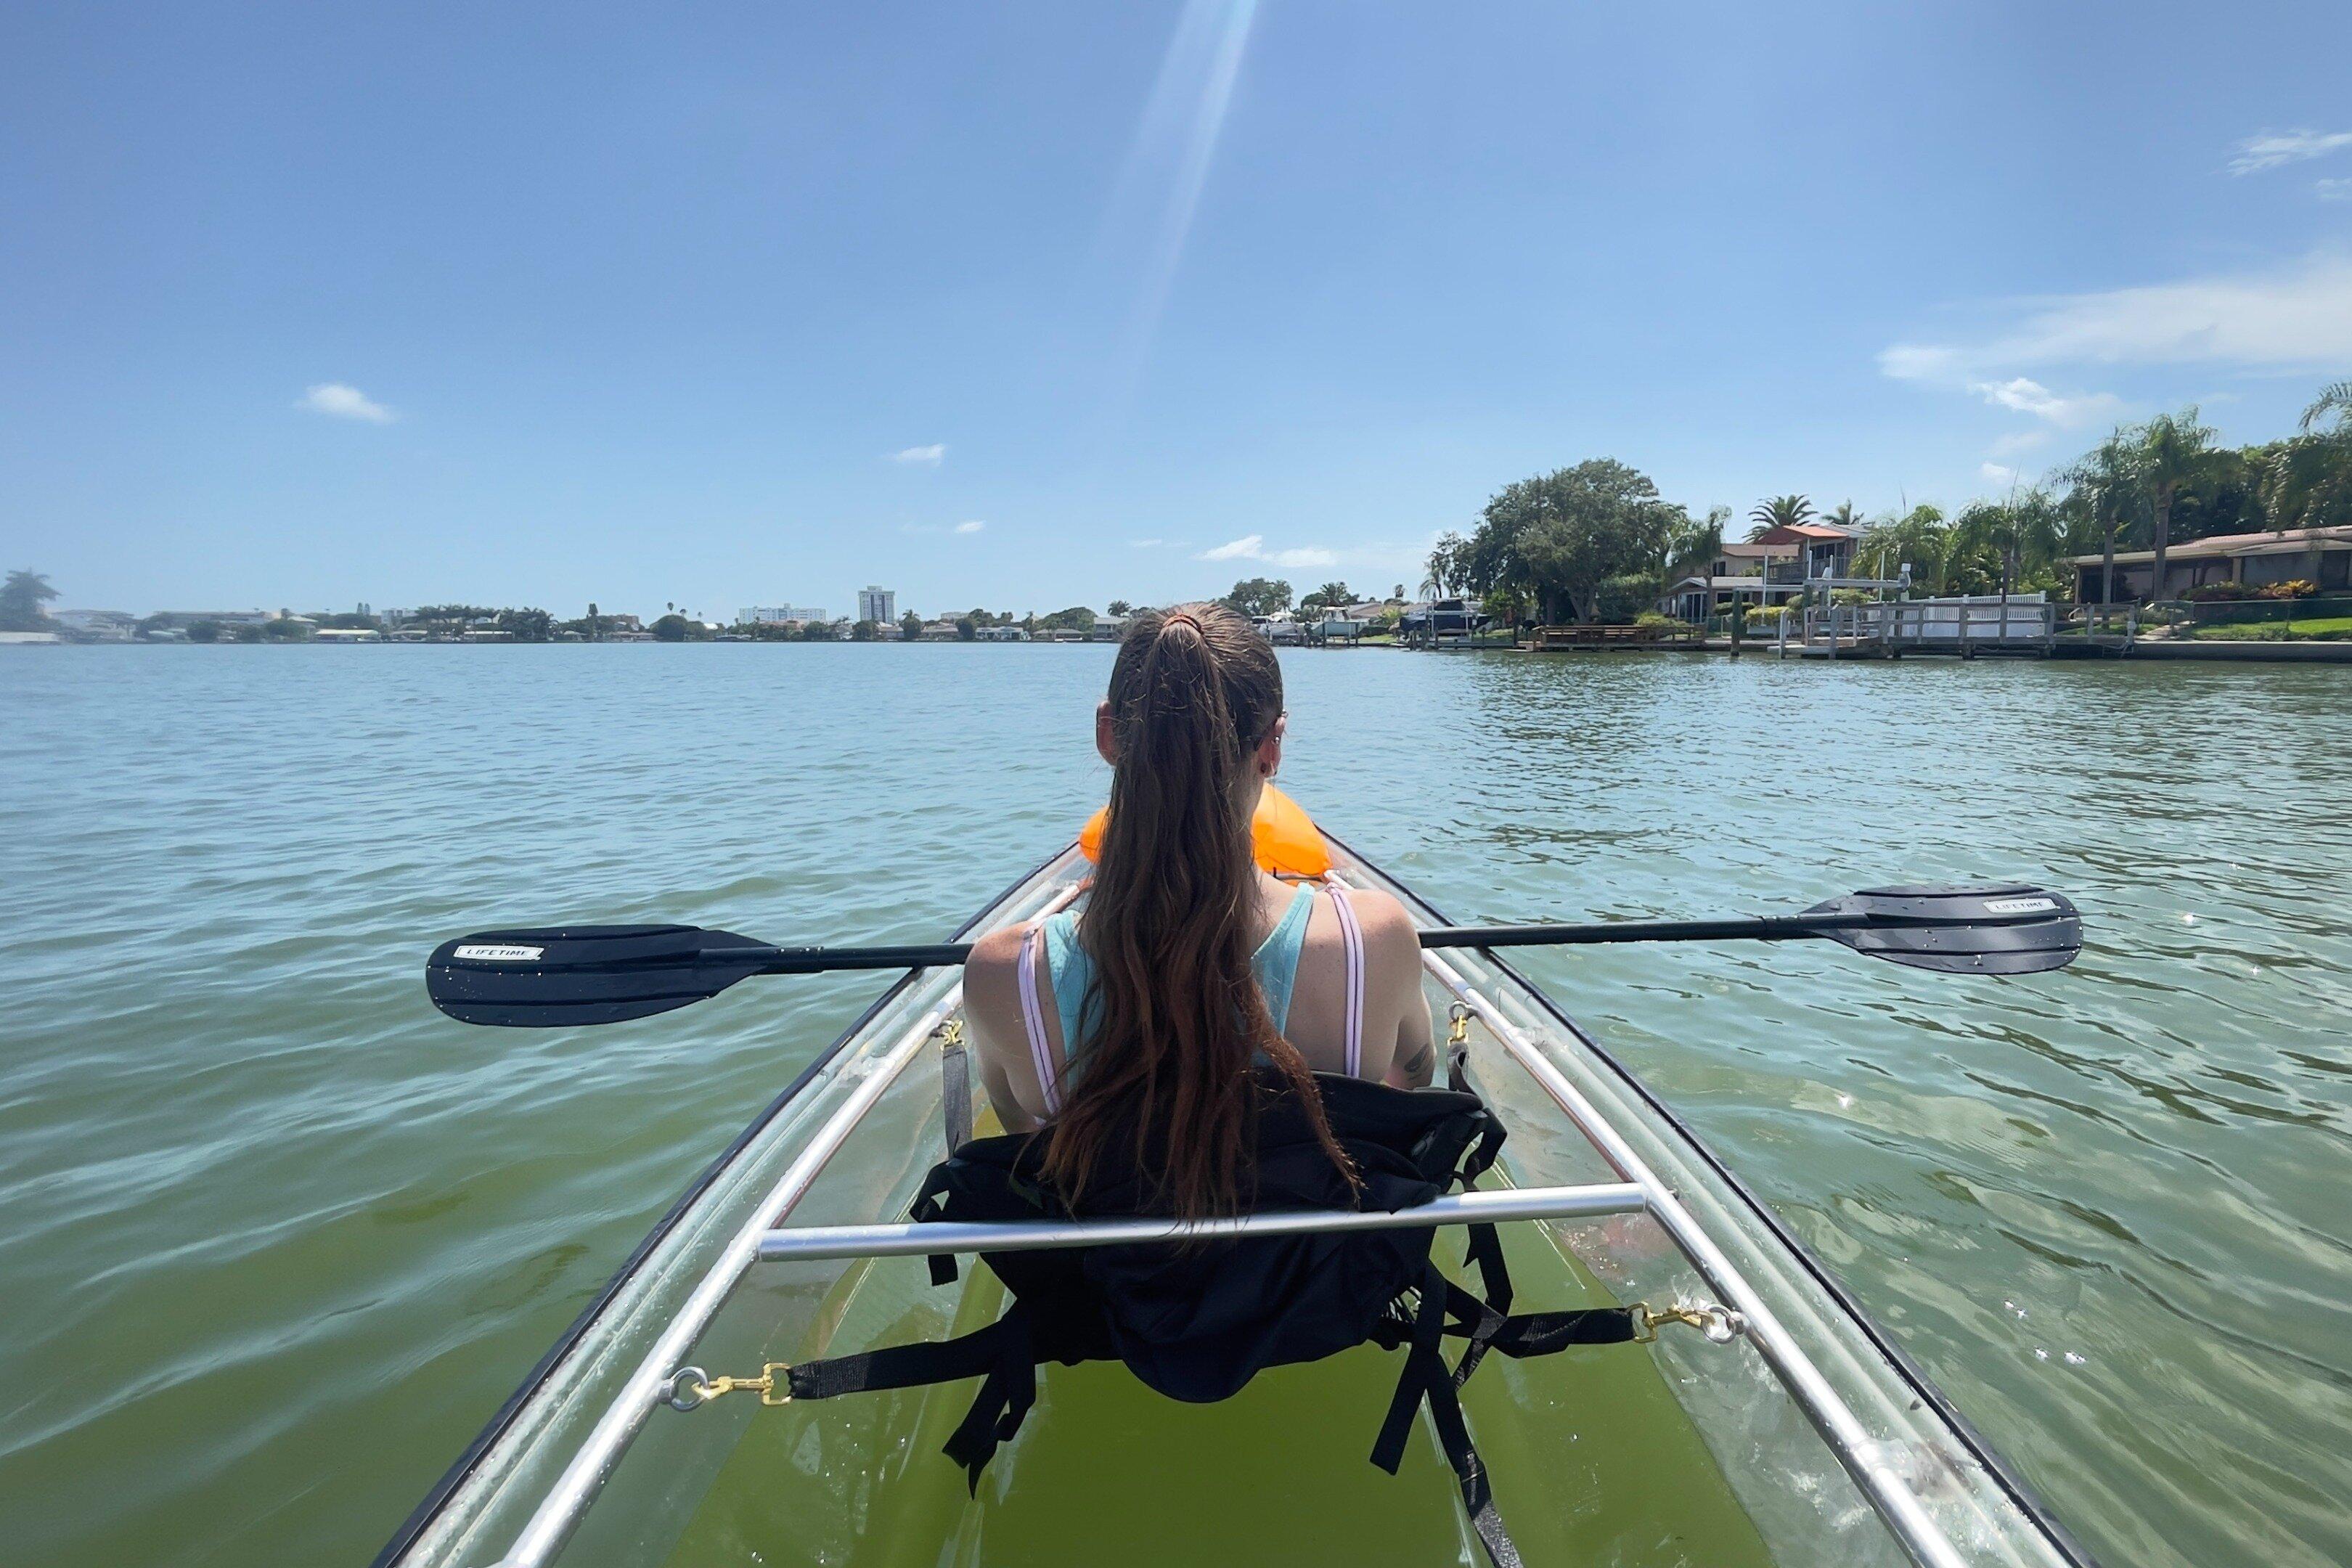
x=1176, y=1013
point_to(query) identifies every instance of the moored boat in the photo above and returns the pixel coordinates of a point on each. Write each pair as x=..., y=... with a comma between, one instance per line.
x=1762, y=1420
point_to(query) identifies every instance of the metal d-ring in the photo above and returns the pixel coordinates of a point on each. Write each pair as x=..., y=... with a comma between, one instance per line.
x=686, y=1388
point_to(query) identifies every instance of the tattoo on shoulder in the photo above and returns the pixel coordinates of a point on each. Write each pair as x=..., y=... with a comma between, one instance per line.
x=1422, y=1059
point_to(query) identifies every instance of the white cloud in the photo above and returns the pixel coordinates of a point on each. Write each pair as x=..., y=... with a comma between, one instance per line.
x=2293, y=316
x=1145, y=543
x=2273, y=148
x=2028, y=397
x=345, y=403
x=1252, y=547
x=973, y=526
x=1996, y=474
x=2333, y=190
x=921, y=457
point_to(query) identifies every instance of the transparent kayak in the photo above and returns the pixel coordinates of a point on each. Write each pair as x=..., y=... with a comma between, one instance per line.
x=1779, y=1427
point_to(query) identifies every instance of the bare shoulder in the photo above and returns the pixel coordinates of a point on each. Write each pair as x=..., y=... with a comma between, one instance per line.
x=1389, y=931
x=993, y=959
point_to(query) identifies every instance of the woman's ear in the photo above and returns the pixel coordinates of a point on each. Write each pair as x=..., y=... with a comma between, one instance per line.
x=1104, y=740
x=1269, y=751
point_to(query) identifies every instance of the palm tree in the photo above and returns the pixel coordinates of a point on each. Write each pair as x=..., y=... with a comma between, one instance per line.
x=2025, y=530
x=2336, y=398
x=2308, y=481
x=2174, y=450
x=1444, y=566
x=1844, y=517
x=2106, y=478
x=21, y=600
x=1692, y=541
x=1779, y=511
x=1918, y=537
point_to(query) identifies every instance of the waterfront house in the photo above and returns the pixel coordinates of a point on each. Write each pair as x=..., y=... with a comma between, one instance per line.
x=1823, y=549
x=2319, y=556
x=940, y=631
x=999, y=634
x=96, y=626
x=1741, y=576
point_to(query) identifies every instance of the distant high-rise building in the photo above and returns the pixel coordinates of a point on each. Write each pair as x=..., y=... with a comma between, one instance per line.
x=878, y=605
x=774, y=614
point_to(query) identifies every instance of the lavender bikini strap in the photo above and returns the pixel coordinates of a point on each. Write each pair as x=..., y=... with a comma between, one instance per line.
x=1033, y=1024
x=1351, y=938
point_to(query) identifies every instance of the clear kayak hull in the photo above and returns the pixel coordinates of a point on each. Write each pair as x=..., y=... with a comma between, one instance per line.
x=1804, y=1438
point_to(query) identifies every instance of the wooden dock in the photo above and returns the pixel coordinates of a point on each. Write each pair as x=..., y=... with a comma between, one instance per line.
x=1616, y=639
x=1895, y=628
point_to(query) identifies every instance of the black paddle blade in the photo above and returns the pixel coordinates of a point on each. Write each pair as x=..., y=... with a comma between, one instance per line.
x=585, y=974
x=1960, y=930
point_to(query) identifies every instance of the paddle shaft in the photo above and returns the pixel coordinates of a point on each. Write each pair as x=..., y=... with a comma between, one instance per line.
x=1764, y=928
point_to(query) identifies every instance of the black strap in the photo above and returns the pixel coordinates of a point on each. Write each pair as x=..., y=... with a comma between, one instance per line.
x=955, y=1092
x=1485, y=1322
x=903, y=1366
x=1484, y=1247
x=1540, y=1333
x=927, y=1206
x=1426, y=1331
x=1003, y=1401
x=1002, y=1352
x=1426, y=1377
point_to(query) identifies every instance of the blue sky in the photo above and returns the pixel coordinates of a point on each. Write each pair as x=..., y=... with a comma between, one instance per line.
x=1042, y=304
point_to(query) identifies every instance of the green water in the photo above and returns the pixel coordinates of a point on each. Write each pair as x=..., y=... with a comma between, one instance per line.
x=274, y=1237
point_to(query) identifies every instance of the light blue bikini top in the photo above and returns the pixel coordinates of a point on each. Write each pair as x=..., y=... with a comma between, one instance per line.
x=1275, y=965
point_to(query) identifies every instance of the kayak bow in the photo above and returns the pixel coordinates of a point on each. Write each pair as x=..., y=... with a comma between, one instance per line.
x=1792, y=1431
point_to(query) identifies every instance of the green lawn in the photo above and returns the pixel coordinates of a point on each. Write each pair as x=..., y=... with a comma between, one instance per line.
x=2331, y=629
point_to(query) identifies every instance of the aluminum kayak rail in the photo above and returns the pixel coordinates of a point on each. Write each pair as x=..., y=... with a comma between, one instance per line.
x=810, y=1242
x=557, y=1514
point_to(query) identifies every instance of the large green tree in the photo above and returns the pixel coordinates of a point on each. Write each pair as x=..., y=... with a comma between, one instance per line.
x=1252, y=596
x=1559, y=536
x=21, y=599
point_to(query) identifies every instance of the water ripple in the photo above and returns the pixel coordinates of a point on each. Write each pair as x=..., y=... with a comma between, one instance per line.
x=278, y=1237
